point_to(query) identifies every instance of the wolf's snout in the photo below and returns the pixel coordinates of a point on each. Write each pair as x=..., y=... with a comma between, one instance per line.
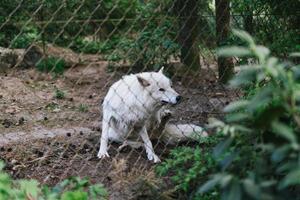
x=173, y=100
x=178, y=98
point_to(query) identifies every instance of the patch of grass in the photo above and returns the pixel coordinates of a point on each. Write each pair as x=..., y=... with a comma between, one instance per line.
x=59, y=94
x=83, y=108
x=52, y=65
x=52, y=106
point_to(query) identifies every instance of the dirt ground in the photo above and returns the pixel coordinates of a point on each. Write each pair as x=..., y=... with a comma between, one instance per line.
x=49, y=139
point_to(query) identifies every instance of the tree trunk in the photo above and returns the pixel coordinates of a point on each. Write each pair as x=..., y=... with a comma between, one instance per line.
x=225, y=65
x=187, y=13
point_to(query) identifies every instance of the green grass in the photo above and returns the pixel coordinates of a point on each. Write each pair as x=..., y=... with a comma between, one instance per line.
x=83, y=108
x=59, y=94
x=52, y=65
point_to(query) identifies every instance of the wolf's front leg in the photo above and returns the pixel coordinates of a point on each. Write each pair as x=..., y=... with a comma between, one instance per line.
x=103, y=141
x=148, y=146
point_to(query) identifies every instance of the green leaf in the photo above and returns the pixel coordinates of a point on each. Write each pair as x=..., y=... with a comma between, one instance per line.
x=2, y=165
x=295, y=54
x=225, y=180
x=234, y=192
x=244, y=36
x=262, y=98
x=286, y=167
x=293, y=178
x=30, y=187
x=81, y=182
x=251, y=189
x=5, y=180
x=225, y=162
x=245, y=77
x=222, y=146
x=242, y=129
x=236, y=117
x=271, y=66
x=74, y=195
x=210, y=184
x=61, y=186
x=280, y=153
x=268, y=183
x=235, y=106
x=98, y=190
x=261, y=52
x=284, y=131
x=213, y=123
x=234, y=51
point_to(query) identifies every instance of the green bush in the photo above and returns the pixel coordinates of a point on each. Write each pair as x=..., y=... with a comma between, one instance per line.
x=70, y=189
x=28, y=36
x=153, y=42
x=271, y=22
x=150, y=50
x=259, y=157
x=256, y=153
x=93, y=47
x=51, y=64
x=14, y=17
x=188, y=165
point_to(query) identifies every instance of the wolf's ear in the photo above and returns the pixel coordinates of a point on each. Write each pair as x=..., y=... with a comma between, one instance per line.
x=143, y=81
x=161, y=70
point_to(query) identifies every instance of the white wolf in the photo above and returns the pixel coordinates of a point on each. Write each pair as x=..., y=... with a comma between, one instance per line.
x=132, y=104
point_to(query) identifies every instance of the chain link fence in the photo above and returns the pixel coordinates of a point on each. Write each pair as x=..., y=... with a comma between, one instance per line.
x=58, y=60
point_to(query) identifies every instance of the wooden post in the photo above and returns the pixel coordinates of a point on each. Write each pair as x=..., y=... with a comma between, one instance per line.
x=187, y=13
x=225, y=65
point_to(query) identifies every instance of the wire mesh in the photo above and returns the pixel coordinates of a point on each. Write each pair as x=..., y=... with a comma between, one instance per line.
x=52, y=107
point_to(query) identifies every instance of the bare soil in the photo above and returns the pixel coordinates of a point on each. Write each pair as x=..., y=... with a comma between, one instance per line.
x=49, y=139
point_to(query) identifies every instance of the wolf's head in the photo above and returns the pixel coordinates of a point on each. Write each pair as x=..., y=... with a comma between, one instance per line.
x=159, y=87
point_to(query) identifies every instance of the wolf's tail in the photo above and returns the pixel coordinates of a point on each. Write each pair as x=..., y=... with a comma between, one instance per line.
x=174, y=133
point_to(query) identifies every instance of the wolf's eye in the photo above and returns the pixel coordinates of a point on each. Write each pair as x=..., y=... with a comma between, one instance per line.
x=162, y=89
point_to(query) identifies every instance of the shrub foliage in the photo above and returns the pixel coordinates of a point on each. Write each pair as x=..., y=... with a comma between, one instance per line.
x=257, y=153
x=72, y=188
x=260, y=153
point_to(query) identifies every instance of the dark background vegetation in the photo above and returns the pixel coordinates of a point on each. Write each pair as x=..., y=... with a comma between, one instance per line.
x=150, y=30
x=255, y=151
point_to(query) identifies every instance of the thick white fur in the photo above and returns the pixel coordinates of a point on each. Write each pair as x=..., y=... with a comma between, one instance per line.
x=130, y=104
x=174, y=133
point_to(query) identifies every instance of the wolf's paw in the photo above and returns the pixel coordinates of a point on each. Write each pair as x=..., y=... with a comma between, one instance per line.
x=102, y=154
x=156, y=159
x=153, y=157
x=166, y=113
